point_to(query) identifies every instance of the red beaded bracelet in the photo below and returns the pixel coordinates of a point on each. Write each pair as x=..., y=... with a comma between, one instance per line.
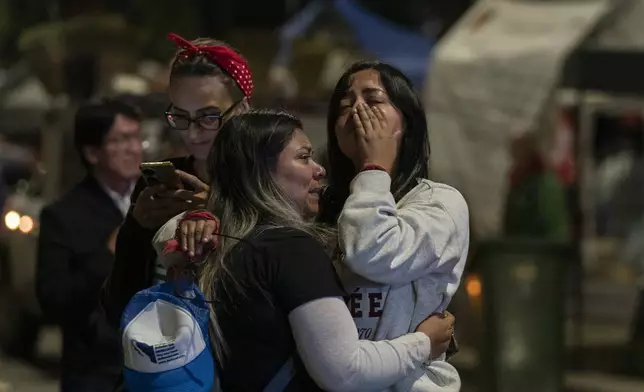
x=373, y=167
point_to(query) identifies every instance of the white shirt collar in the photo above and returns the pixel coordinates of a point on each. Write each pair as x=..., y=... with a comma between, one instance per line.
x=122, y=201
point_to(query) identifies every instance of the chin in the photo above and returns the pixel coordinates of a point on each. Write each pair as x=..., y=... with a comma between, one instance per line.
x=130, y=175
x=311, y=209
x=200, y=152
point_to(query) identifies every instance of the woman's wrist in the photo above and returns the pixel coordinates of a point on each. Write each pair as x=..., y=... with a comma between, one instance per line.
x=370, y=166
x=371, y=180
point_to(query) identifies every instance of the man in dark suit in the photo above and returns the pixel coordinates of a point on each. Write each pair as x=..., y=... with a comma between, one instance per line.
x=77, y=240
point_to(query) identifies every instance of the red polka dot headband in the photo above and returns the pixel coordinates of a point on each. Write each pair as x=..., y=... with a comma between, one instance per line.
x=229, y=60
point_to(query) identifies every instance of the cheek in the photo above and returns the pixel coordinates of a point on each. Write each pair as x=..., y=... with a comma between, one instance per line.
x=344, y=133
x=342, y=121
x=394, y=119
x=295, y=182
x=184, y=137
x=210, y=136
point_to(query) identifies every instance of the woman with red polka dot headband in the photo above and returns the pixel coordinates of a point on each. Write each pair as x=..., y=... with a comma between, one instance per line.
x=209, y=82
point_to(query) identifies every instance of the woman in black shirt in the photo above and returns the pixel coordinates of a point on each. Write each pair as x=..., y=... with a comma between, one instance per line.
x=276, y=298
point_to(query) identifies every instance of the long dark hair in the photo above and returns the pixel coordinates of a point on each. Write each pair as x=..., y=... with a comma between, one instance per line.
x=414, y=151
x=242, y=162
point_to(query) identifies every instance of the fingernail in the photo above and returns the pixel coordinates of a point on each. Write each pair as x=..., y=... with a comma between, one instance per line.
x=191, y=253
x=205, y=239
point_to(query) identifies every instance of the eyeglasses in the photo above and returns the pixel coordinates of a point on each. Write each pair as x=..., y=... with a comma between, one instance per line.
x=124, y=139
x=207, y=122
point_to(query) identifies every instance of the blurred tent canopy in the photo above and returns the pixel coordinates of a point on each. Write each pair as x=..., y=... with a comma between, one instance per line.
x=612, y=58
x=494, y=77
x=474, y=70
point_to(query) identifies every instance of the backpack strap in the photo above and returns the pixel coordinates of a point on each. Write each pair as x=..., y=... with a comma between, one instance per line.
x=283, y=377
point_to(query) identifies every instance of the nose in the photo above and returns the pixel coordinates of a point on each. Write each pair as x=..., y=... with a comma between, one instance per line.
x=193, y=132
x=319, y=172
x=359, y=100
x=135, y=146
x=132, y=143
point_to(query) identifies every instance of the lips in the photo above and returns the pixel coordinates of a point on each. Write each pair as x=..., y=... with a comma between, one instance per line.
x=317, y=191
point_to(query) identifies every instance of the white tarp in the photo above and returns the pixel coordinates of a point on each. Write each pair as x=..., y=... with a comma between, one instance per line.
x=624, y=29
x=491, y=79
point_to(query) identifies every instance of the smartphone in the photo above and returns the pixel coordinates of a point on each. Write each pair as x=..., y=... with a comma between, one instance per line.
x=452, y=349
x=155, y=173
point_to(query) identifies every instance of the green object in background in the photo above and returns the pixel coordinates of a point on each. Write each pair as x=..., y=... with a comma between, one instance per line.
x=536, y=208
x=523, y=312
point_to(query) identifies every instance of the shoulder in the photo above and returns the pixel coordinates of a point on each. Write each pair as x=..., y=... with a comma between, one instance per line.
x=280, y=248
x=72, y=200
x=296, y=267
x=442, y=197
x=437, y=192
x=57, y=215
x=285, y=240
x=50, y=211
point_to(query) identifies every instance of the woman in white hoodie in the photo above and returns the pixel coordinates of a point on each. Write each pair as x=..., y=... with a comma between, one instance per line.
x=403, y=239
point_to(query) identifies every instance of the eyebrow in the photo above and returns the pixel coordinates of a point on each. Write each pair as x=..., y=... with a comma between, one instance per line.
x=368, y=90
x=374, y=90
x=210, y=108
x=207, y=108
x=308, y=148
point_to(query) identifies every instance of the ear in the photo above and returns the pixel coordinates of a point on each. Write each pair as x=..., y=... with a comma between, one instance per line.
x=91, y=155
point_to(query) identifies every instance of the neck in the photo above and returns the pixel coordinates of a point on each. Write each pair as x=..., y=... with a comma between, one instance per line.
x=118, y=184
x=201, y=169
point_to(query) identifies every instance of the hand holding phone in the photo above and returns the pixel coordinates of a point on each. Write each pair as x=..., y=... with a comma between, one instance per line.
x=161, y=173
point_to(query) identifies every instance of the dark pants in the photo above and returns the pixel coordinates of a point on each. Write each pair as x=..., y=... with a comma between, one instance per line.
x=87, y=383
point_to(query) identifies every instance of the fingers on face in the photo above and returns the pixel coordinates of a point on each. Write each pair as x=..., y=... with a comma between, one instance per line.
x=380, y=117
x=373, y=118
x=367, y=116
x=369, y=119
x=359, y=124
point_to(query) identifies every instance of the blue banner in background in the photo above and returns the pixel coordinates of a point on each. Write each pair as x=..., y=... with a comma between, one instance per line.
x=405, y=49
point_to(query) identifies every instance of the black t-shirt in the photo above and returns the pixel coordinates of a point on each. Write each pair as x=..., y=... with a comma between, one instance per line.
x=278, y=270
